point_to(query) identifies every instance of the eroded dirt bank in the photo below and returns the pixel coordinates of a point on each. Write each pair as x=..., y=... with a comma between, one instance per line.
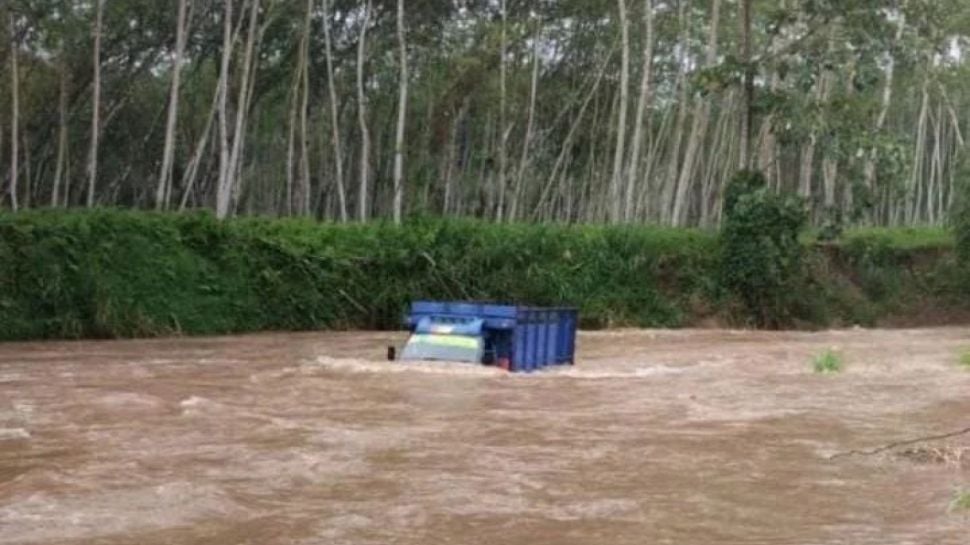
x=700, y=437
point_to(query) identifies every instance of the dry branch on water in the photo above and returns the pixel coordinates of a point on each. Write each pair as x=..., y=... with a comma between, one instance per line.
x=898, y=444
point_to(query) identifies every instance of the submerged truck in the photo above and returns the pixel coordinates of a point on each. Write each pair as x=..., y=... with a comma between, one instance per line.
x=513, y=337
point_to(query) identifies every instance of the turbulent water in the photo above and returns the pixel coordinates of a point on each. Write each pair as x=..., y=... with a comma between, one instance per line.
x=694, y=437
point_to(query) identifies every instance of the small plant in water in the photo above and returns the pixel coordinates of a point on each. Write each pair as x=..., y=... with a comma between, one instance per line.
x=965, y=360
x=827, y=363
x=961, y=501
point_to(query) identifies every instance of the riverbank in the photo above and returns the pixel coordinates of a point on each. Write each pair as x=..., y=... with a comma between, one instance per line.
x=107, y=274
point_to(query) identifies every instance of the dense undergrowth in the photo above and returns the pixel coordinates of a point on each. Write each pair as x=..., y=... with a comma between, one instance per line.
x=124, y=274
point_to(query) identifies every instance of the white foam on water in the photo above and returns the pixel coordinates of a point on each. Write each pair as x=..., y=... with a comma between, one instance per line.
x=131, y=400
x=14, y=434
x=11, y=376
x=45, y=518
x=472, y=370
x=195, y=401
x=425, y=367
x=202, y=406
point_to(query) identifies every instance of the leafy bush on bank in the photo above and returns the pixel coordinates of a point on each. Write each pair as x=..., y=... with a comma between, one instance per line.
x=761, y=253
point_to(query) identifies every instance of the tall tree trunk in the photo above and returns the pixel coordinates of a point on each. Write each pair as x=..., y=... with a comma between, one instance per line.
x=62, y=129
x=363, y=201
x=402, y=107
x=28, y=173
x=192, y=169
x=164, y=190
x=305, y=197
x=710, y=188
x=616, y=205
x=230, y=191
x=222, y=187
x=297, y=199
x=643, y=107
x=568, y=141
x=673, y=160
x=869, y=171
x=748, y=95
x=96, y=105
x=767, y=160
x=806, y=171
x=698, y=130
x=529, y=131
x=914, y=192
x=334, y=115
x=15, y=113
x=291, y=139
x=503, y=130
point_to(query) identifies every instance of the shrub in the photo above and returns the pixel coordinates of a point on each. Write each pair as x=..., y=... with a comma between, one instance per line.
x=965, y=360
x=960, y=222
x=761, y=252
x=828, y=362
x=961, y=501
x=128, y=274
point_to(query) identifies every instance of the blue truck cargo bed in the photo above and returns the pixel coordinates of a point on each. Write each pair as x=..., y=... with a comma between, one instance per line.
x=518, y=338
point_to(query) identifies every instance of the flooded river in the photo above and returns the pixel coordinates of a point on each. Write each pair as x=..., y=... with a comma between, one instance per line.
x=692, y=437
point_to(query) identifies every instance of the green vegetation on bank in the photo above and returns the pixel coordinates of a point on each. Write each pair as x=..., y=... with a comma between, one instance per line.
x=123, y=273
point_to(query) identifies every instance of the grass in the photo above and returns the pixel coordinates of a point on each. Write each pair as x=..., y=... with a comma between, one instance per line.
x=828, y=363
x=905, y=238
x=961, y=501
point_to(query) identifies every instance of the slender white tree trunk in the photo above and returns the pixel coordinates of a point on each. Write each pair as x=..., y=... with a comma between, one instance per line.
x=163, y=191
x=503, y=130
x=643, y=107
x=192, y=169
x=96, y=105
x=673, y=160
x=297, y=199
x=231, y=188
x=291, y=139
x=698, y=130
x=334, y=115
x=748, y=100
x=807, y=167
x=14, y=114
x=62, y=130
x=305, y=197
x=768, y=151
x=913, y=193
x=363, y=198
x=616, y=204
x=222, y=188
x=568, y=141
x=869, y=170
x=402, y=107
x=529, y=131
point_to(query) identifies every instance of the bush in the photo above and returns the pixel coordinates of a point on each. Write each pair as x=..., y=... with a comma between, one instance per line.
x=131, y=274
x=827, y=363
x=761, y=252
x=960, y=223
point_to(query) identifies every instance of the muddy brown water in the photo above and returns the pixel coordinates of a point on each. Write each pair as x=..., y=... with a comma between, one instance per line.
x=687, y=437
